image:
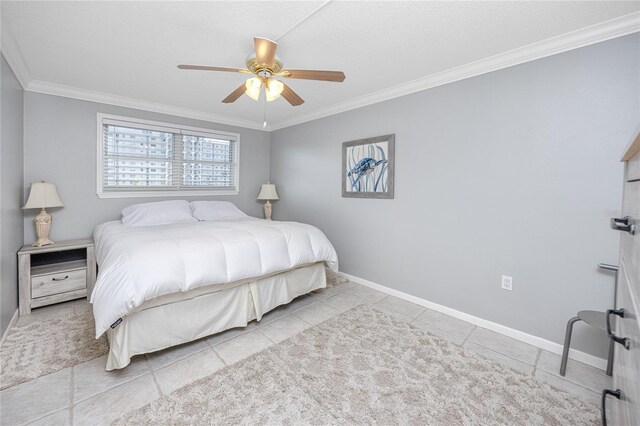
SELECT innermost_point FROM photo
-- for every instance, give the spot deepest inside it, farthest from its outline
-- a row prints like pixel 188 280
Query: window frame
pixel 148 193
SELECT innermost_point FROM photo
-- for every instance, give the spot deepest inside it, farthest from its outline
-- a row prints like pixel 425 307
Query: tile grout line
pixel 267 337
pixel 468 335
pixel 153 376
pixel 112 388
pixel 72 381
pixel 302 319
pixel 421 312
pixel 537 360
pixel 182 358
pixel 565 380
pixel 70 401
pixel 219 356
pixel 215 353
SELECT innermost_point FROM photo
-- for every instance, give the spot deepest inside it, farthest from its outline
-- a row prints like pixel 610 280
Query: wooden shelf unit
pixel 55 273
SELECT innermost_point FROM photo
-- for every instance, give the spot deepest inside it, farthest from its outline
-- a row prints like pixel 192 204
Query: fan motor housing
pixel 256 68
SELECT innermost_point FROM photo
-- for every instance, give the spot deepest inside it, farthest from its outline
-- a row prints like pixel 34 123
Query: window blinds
pixel 140 157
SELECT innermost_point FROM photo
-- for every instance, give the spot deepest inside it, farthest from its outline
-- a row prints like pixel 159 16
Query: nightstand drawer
pixel 59 282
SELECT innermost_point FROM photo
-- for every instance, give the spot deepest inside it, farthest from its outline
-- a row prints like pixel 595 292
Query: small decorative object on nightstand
pixel 55 273
pixel 268 192
pixel 41 196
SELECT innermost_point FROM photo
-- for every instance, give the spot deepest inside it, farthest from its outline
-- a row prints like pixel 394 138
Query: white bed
pixel 160 286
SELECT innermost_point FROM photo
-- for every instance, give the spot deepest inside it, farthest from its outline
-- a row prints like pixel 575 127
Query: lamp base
pixel 267 210
pixel 43 226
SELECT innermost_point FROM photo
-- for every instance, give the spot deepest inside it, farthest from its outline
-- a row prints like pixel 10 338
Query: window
pixel 139 158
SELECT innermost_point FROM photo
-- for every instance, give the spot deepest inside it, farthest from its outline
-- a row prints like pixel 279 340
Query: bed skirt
pixel 158 326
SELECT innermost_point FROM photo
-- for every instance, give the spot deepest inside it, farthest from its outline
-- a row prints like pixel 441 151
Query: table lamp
pixel 41 196
pixel 268 192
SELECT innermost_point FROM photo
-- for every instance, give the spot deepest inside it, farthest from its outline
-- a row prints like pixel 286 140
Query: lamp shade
pixel 253 88
pixel 268 192
pixel 273 89
pixel 42 195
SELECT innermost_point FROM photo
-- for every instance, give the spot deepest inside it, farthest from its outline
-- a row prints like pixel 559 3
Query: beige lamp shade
pixel 43 195
pixel 268 192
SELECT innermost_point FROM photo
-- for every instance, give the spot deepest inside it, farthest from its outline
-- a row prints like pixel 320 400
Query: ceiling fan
pixel 265 65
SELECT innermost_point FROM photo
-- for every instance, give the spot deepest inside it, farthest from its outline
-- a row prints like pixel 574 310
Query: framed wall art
pixel 368 167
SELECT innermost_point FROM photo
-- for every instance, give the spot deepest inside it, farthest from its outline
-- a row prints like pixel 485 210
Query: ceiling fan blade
pixel 265 51
pixel 206 68
pixel 291 96
pixel 235 95
pixel 337 76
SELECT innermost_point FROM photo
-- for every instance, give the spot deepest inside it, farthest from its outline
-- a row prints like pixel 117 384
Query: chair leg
pixel 567 343
pixel 610 358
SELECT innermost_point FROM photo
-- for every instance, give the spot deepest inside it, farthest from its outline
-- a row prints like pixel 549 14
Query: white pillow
pixel 158 213
pixel 215 210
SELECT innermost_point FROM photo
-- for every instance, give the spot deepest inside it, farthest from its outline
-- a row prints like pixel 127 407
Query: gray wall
pixel 11 185
pixel 515 172
pixel 60 147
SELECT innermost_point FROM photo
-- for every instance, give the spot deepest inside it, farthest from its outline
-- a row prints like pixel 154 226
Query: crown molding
pixel 597 33
pixel 123 101
pixel 12 54
pixel 603 31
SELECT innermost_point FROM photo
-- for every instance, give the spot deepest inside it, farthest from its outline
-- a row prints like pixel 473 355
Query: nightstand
pixel 55 273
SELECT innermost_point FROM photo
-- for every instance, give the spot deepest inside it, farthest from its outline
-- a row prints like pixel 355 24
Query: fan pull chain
pixel 264 110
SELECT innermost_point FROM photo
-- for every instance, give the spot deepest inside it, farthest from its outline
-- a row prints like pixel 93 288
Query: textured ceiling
pixel 131 49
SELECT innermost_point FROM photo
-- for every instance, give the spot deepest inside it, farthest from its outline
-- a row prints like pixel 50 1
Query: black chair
pixel 596 319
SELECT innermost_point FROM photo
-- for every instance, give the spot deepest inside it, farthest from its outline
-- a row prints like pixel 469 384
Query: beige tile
pixel 231 333
pixel 273 315
pixel 90 378
pixel 242 346
pixel 577 372
pixel 167 356
pixel 579 391
pixel 509 362
pixel 284 328
pixel 451 338
pixel 345 301
pixel 102 409
pixel 317 313
pixel 59 418
pixel 35 399
pixel 187 370
pixel 408 309
pixel 299 303
pixel 82 306
pixel 504 345
pixel 331 291
pixel 446 323
pixel 59 310
pixel 392 313
pixel 367 293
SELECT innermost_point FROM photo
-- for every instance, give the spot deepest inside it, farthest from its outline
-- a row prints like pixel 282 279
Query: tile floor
pixel 87 395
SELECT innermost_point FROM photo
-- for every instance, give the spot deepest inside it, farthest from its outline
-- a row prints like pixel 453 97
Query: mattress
pixel 141 264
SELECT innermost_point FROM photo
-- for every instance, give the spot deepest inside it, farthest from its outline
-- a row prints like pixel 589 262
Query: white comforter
pixel 137 264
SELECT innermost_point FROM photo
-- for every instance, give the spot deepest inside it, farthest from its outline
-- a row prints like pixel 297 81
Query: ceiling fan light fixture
pixel 273 89
pixel 254 87
pixel 265 64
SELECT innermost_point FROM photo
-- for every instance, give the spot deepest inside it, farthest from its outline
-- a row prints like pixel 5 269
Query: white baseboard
pixel 11 324
pixel 539 342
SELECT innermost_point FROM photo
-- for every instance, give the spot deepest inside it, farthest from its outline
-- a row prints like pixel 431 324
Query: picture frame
pixel 368 167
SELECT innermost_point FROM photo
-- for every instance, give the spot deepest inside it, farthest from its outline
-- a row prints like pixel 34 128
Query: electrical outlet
pixel 507 283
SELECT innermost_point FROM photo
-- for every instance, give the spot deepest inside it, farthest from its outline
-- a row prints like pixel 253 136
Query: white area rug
pixel 365 367
pixel 46 346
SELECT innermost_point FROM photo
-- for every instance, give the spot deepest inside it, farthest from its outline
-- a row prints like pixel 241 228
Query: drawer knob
pixel 603 401
pixel 60 279
pixel 624 341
